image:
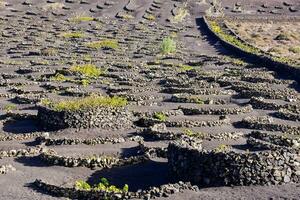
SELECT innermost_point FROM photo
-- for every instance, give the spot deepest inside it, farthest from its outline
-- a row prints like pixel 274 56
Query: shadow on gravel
pixel 138 176
pixel 132 151
pixel 21 126
pixel 211 40
pixel 31 161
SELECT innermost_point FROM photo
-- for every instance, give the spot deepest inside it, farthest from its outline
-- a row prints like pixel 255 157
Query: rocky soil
pixel 201 90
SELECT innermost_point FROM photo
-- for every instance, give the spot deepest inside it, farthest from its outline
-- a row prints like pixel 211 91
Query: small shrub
pixel 103 185
pixel 10 107
pixel 193 134
pixel 182 13
pixel 107 44
pixel 185 68
pixel 82 185
pixel 59 77
pixel 88 70
pixel 295 50
pixel 73 35
pixel 87 102
pixel 85 82
pixel 168 46
pixel 160 116
pixel 81 18
pixel 222 148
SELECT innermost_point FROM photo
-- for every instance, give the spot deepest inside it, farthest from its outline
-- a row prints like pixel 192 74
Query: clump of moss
pixel 168 46
pixel 88 70
pixel 87 102
pixel 103 185
pixel 160 116
pixel 107 44
pixel 73 35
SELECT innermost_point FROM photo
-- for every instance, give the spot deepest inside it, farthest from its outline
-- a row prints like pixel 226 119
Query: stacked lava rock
pixel 102 112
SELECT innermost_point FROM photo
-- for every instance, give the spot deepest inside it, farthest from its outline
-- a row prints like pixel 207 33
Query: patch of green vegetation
pixel 73 35
pixel 230 38
pixel 295 50
pixel 87 102
pixel 181 14
pixel 59 77
pixel 168 46
pixel 10 107
pixel 104 185
pixel 107 44
pixel 193 134
pixel 160 116
pixel 82 185
pixel 222 148
pixel 185 68
pixel 85 82
pixel 88 70
pixel 81 18
pixel 149 17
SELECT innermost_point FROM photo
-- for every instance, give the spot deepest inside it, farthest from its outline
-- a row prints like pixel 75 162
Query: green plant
pixel 295 50
pixel 59 77
pixel 81 18
pixel 191 133
pixel 88 70
pixel 103 185
pixel 107 44
pixel 73 35
pixel 160 116
pixel 85 82
pixel 82 185
pixel 222 148
pixel 87 102
pixel 184 68
pixel 10 107
pixel 216 28
pixel 181 14
pixel 168 46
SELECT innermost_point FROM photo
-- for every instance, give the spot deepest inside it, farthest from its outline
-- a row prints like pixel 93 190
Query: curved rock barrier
pixel 215 168
pixel 185 98
pixel 147 122
pixel 288 114
pixel 73 141
pixel 4 169
pixel 216 111
pixel 289 141
pixel 102 117
pixel 266 123
pixel 101 161
pixel 153 192
pixel 258 57
pixel 21 152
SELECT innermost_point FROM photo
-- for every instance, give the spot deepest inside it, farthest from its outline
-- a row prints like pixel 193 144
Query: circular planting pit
pixel 218 168
pixel 86 113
